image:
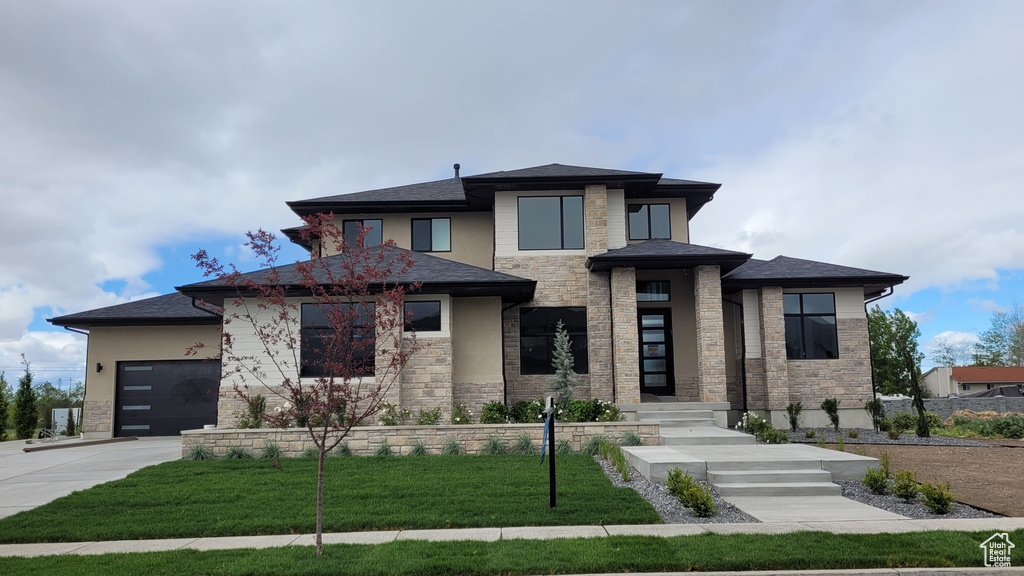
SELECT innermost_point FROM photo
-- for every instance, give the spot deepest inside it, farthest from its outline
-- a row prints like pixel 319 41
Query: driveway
pixel 30 479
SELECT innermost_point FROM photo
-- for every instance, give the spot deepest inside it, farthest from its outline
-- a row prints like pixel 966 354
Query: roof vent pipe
pixel 456 179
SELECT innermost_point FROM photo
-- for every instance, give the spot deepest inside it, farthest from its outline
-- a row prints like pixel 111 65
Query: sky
pixel 880 135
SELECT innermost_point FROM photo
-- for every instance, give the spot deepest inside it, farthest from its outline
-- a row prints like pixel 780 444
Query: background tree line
pixel 1001 345
pixel 31 406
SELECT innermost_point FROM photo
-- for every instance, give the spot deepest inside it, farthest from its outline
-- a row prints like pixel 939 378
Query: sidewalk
pixel 526 533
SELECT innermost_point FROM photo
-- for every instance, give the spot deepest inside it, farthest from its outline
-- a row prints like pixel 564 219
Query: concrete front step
pixel 768 476
pixel 779 489
pixel 702 436
pixel 764 465
pixel 672 406
pixel 684 423
pixel 675 415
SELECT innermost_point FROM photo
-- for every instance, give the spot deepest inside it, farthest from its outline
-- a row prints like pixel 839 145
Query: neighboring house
pixel 942 381
pixel 503 257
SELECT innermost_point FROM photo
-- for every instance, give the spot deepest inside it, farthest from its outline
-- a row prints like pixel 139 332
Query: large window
pixel 652 291
pixel 810 326
pixel 323 346
pixel 350 228
pixel 432 234
pixel 423 316
pixel 537 338
pixel 647 221
pixel 551 223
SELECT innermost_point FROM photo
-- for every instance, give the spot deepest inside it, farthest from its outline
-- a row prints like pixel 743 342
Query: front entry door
pixel 656 375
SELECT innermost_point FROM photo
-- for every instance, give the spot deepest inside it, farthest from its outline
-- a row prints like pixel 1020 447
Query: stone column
pixel 599 307
pixel 626 344
pixel 710 334
pixel 387 342
pixel 773 348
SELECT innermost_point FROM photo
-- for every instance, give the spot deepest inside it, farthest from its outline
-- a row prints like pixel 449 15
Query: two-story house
pixel 503 257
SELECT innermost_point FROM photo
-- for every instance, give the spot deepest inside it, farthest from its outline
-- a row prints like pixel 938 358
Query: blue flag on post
pixel 544 441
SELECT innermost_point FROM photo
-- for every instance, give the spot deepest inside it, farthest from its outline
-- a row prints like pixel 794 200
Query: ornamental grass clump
pixel 562 446
pixel 593 446
pixel 342 450
pixel 523 445
pixel 631 438
pixel 493 447
pixel 384 450
pixel 310 452
pixel 271 451
pixel 199 451
pixel 451 447
pixel 418 449
pixel 237 453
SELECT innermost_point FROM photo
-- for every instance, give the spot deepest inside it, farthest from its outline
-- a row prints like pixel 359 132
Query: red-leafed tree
pixel 324 336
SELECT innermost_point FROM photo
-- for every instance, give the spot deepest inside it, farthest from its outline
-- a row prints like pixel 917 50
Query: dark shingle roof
pixel 439 193
pixel 437 275
pixel 561 171
pixel 166 310
pixel 666 254
pixel 797 273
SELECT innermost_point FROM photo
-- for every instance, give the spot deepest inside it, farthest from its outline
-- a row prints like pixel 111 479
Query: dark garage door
pixel 162 398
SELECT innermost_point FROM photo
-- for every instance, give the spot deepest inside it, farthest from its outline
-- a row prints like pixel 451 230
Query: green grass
pixel 247 497
pixel 705 552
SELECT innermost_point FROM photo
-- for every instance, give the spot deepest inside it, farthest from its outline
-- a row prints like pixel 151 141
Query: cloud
pixel 921 318
pixel 986 306
pixel 52 355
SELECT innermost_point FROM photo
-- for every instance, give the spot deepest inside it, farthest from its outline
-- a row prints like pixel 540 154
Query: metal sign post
pixel 548 442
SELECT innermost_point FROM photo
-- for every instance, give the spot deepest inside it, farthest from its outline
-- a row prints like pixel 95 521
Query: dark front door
pixel 162 398
pixel 656 375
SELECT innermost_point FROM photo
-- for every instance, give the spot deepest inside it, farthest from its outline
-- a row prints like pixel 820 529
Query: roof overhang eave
pixel 306 208
pixel 727 263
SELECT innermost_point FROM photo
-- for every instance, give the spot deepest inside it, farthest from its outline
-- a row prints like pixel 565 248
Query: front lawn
pixel 705 552
pixel 185 499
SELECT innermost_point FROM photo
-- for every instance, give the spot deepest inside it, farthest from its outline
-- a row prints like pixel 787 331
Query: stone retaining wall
pixel 365 440
pixel 945 407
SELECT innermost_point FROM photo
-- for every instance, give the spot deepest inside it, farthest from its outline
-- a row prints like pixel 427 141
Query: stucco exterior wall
pixel 677 216
pixel 112 344
pixel 476 352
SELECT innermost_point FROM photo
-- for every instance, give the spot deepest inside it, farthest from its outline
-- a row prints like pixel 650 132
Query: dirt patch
pixel 986 477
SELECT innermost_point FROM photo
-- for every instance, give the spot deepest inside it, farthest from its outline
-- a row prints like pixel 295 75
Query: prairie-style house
pixel 502 258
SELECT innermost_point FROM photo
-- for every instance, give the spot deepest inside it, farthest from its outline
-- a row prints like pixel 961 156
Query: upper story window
pixel 537 338
pixel 652 291
pixel 551 223
pixel 423 316
pixel 374 237
pixel 432 234
pixel 810 326
pixel 335 335
pixel 647 221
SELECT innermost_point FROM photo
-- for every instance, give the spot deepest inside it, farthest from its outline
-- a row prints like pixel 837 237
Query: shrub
pixel 904 485
pixel 904 421
pixel 562 446
pixel 524 445
pixel 418 449
pixel 342 450
pixel 619 460
pixel 793 414
pixel 271 451
pixel 876 480
pixel 752 423
pixel 256 408
pixel 773 436
pixel 933 420
pixel 883 462
pixel 391 415
pixel 429 417
pixel 937 497
pixel 237 453
pixel 451 447
pixel 894 433
pixel 810 433
pixel 852 433
pixel 609 413
pixel 821 441
pixel 461 415
pixel 595 410
pixel 310 452
pixel 199 451
pixel 384 450
pixel 841 443
pixel 698 498
pixel 493 446
pixel 631 438
pixel 831 408
pixel 494 413
pixel 593 446
pixel 876 410
pixel 884 424
pixel 528 412
pixel 677 482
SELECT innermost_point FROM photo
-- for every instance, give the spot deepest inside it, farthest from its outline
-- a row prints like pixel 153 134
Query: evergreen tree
pixel 72 426
pixel 563 362
pixel 26 415
pixel 4 403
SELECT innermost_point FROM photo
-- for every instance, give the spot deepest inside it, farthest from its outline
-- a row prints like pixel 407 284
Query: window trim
pixel 629 232
pixel 803 330
pixel 668 293
pixel 406 327
pixel 430 222
pixel 362 222
pixel 561 221
pixel 574 335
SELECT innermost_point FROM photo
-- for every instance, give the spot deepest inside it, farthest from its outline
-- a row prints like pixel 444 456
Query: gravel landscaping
pixel 869 436
pixel 912 509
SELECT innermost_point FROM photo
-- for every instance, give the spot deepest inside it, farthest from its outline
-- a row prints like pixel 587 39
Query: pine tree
pixel 72 426
pixel 562 362
pixel 26 415
pixel 4 403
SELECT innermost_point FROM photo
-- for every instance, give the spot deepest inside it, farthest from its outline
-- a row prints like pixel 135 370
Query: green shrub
pixel 494 413
pixel 593 446
pixel 937 497
pixel 821 441
pixel 904 421
pixel 619 460
pixel 876 410
pixel 831 408
pixel 753 424
pixel 342 450
pixel 237 453
pixel 677 482
pixel 698 498
pixel 609 412
pixel 904 485
pixel 841 442
pixel 876 481
pixel 631 438
pixel 852 433
pixel 418 449
pixel 524 445
pixel 894 433
pixel 451 447
pixel 884 424
pixel 933 420
pixel 810 433
pixel 384 450
pixel 493 446
pixel 271 451
pixel 391 415
pixel 256 409
pixel 310 452
pixel 773 435
pixel 528 412
pixel 562 446
pixel 793 414
pixel 429 417
pixel 883 463
pixel 199 451
pixel 461 415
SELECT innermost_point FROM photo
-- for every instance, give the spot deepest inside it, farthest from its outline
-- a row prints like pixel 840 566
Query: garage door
pixel 162 398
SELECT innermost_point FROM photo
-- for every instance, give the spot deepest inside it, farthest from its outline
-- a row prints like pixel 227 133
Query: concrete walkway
pixel 31 479
pixel 524 533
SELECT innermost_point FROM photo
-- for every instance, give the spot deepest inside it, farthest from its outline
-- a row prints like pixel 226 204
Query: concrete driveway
pixel 30 479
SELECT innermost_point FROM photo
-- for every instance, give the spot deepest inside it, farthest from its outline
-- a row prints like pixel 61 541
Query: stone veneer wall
pixel 757 391
pixel 475 394
pixel 97 416
pixel 847 378
pixel 773 348
pixel 710 334
pixel 364 440
pixel 626 337
pixel 688 389
pixel 426 380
